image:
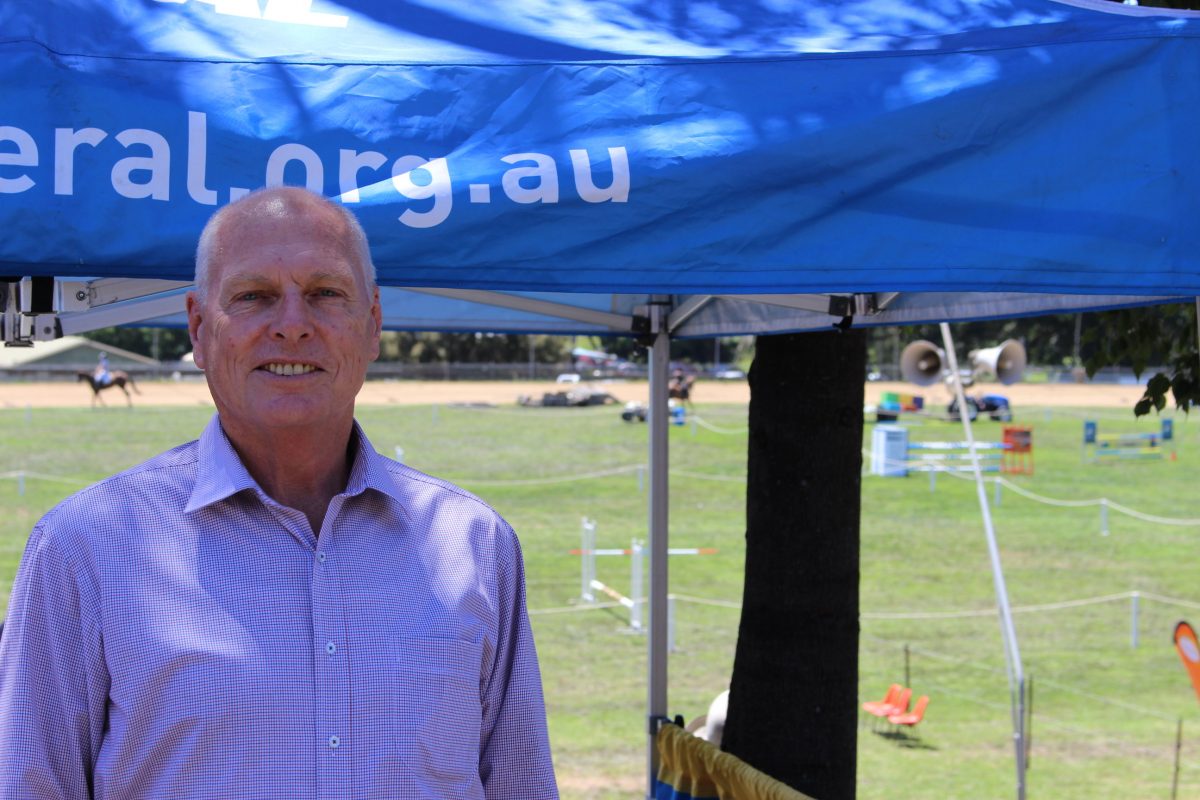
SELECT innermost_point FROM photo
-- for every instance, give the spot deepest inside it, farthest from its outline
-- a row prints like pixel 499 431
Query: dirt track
pixel 195 392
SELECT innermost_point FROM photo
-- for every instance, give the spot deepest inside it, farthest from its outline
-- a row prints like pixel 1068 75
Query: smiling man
pixel 274 610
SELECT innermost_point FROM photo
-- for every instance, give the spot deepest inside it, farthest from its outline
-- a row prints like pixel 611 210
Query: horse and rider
pixel 680 387
pixel 102 378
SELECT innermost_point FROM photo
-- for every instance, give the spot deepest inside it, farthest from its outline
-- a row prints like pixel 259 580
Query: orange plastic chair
pixel 889 700
pixel 901 704
pixel 913 717
pixel 898 706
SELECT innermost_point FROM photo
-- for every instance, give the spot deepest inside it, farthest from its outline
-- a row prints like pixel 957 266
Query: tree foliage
pixel 165 344
pixel 1163 335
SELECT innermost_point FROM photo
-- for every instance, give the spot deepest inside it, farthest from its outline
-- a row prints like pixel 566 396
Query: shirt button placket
pixel 331 668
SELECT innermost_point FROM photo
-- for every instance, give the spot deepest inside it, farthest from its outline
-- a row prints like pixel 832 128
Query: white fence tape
pixel 1103 502
pixel 708 426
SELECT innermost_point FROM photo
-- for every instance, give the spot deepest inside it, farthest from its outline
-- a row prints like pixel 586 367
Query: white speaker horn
pixel 922 363
pixel 1006 361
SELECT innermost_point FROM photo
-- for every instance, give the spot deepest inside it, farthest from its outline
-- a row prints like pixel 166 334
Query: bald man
pixel 274 610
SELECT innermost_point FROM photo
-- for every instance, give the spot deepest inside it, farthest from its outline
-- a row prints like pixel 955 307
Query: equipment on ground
pixel 995 406
pixel 1129 445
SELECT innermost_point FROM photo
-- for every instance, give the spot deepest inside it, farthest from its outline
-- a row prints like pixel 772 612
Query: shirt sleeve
pixel 53 686
pixel 514 759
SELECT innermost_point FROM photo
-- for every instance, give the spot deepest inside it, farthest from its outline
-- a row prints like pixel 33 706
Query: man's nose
pixel 293 320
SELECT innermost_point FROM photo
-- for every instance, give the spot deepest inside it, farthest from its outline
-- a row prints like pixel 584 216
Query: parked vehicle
pixel 994 405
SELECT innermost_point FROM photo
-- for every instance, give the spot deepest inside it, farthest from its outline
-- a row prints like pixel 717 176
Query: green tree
pixel 165 344
pixel 1163 335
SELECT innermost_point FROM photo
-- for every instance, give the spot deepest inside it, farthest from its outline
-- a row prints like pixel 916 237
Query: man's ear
pixel 376 321
pixel 195 320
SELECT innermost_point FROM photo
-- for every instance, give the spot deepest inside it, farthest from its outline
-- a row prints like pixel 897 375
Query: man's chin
pixel 287 414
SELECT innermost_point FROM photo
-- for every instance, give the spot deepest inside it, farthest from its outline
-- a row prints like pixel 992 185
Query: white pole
pixel 1104 516
pixel 1133 622
pixel 996 483
pixel 1012 654
pixel 587 560
pixel 635 585
pixel 660 355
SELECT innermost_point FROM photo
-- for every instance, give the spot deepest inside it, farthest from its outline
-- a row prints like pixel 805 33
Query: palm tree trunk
pixel 794 693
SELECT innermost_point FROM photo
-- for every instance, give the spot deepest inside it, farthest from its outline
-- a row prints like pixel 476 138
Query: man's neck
pixel 301 469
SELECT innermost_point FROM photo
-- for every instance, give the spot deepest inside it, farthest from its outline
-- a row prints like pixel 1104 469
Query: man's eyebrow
pixel 337 277
pixel 246 279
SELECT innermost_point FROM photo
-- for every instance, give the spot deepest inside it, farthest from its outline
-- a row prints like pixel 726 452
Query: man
pixel 275 611
pixel 102 375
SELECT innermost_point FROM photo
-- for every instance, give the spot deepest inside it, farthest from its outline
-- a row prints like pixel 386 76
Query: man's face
pixel 288 325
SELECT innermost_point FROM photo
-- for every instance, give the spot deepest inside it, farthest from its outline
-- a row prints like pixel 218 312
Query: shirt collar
pixel 221 474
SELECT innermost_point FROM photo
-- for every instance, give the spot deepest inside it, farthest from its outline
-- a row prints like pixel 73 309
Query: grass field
pixel 1104 716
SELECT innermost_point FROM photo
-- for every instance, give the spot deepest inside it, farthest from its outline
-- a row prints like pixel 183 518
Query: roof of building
pixel 11 357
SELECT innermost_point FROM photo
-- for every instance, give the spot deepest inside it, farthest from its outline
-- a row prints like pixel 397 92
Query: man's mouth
pixel 287 370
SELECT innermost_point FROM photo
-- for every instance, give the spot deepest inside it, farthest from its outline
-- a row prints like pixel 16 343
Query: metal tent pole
pixel 1012 654
pixel 660 355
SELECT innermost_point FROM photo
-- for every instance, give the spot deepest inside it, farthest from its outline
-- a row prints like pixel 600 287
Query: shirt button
pixel 330 648
pixel 334 742
pixel 321 556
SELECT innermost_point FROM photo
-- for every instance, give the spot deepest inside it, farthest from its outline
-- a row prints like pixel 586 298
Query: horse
pixel 680 388
pixel 118 378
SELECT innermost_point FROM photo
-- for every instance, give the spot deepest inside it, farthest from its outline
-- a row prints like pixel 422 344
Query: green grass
pixel 1104 713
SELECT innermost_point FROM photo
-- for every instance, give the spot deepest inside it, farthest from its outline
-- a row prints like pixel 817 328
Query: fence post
pixel 587 559
pixel 1178 745
pixel 1029 725
pixel 635 589
pixel 1133 621
pixel 1104 516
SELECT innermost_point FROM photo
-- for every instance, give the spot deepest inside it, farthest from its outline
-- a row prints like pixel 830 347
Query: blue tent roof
pixel 1019 146
pixel 529 165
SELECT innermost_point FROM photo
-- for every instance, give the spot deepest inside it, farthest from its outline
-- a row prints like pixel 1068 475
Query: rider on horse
pixel 102 374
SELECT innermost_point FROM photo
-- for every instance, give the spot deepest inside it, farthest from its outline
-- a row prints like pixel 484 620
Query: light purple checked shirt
pixel 173 632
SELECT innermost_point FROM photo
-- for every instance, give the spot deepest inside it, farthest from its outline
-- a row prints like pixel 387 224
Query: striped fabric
pixel 175 633
pixel 693 769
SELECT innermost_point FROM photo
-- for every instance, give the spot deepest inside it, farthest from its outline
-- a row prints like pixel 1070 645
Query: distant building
pixel 65 356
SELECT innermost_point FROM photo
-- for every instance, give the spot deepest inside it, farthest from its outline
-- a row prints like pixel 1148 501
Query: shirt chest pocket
pixel 437 706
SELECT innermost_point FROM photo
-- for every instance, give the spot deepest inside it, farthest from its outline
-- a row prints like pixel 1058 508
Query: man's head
pixel 205 248
pixel 285 317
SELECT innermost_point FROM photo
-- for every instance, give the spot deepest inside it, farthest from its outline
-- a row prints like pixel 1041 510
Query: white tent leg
pixel 660 354
pixel 1012 654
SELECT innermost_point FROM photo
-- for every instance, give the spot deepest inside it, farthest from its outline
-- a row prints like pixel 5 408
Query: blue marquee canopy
pixel 1025 149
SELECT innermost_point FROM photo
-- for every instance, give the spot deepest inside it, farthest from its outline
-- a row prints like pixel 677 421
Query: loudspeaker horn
pixel 922 363
pixel 1006 361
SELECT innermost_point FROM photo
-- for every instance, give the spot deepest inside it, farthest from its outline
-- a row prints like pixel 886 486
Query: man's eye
pixel 328 293
pixel 249 296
